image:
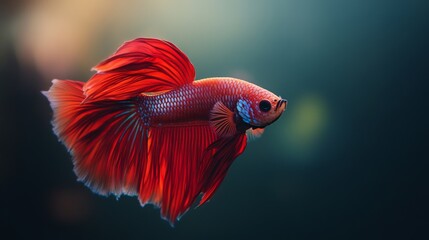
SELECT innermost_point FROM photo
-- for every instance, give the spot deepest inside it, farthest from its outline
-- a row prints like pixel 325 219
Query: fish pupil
pixel 265 106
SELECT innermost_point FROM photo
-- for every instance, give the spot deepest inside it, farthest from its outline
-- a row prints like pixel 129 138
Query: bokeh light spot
pixel 307 121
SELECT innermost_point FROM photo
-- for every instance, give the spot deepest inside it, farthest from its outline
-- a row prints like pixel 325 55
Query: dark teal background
pixel 347 160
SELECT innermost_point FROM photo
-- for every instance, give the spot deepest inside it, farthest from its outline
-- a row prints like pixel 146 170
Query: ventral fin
pixel 222 120
pixel 138 66
pixel 254 133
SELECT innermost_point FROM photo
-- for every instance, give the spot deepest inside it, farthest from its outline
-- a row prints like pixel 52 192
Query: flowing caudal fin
pixel 138 66
pixel 106 139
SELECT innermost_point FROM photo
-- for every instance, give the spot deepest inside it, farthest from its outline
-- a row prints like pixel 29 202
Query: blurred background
pixel 348 159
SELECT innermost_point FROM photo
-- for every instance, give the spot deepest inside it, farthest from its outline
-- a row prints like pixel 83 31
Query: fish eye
pixel 265 106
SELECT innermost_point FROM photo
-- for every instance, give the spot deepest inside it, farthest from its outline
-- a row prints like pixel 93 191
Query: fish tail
pixel 96 135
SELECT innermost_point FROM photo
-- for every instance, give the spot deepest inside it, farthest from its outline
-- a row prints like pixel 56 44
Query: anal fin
pixel 218 158
pixel 172 179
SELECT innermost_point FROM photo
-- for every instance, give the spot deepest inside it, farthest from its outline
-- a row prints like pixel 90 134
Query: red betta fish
pixel 142 126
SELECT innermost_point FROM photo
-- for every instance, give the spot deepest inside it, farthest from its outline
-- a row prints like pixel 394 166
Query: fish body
pixel 142 126
pixel 194 101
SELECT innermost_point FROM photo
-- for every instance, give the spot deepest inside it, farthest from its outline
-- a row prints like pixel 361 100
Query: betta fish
pixel 142 126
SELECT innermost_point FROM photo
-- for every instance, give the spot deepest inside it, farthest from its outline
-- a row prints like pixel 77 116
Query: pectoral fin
pixel 222 120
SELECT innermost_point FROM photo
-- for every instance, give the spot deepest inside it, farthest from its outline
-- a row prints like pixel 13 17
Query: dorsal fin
pixel 140 65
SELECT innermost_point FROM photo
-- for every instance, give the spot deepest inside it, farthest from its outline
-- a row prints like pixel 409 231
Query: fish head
pixel 260 108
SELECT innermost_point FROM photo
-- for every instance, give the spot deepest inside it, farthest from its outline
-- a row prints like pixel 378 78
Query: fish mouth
pixel 280 103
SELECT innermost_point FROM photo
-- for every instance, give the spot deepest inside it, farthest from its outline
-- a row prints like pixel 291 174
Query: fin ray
pixel 222 119
pixel 221 153
pixel 140 65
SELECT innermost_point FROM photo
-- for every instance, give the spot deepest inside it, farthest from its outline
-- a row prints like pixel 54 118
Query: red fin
pixel 222 119
pixel 219 156
pixel 114 153
pixel 105 138
pixel 140 65
pixel 178 164
pixel 186 170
